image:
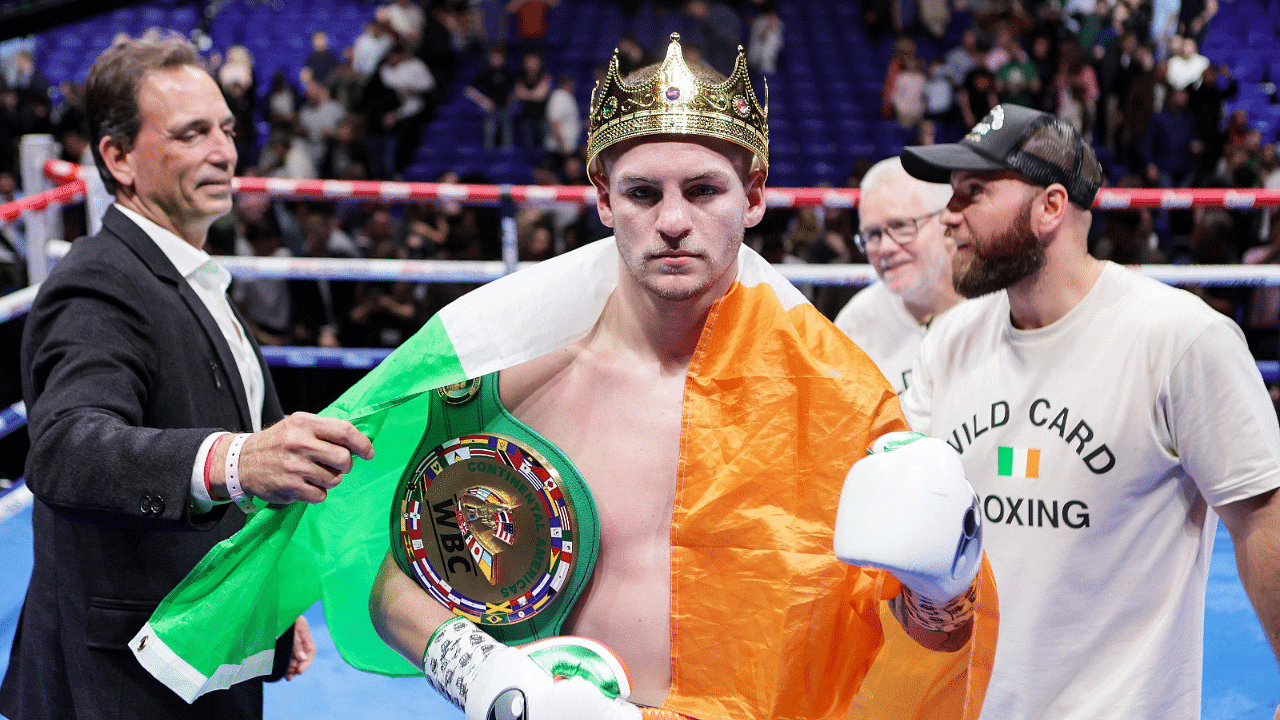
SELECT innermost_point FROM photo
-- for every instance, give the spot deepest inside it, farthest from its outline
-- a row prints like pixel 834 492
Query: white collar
pixel 184 256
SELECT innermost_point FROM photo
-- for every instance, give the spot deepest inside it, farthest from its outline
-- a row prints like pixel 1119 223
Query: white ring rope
pixel 16 501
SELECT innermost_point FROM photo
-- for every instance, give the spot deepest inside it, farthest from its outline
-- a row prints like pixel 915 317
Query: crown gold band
pixel 675 102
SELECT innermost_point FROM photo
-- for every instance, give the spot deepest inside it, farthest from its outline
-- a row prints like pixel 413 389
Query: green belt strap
pixel 470 448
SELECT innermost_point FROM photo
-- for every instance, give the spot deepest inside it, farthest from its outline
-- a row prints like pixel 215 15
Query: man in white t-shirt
pixel 564 119
pixel 906 245
pixel 1105 420
pixel 1186 64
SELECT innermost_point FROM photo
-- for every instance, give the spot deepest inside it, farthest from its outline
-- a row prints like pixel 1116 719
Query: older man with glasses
pixel 906 244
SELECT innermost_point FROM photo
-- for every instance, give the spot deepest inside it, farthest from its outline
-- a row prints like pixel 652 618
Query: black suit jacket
pixel 124 374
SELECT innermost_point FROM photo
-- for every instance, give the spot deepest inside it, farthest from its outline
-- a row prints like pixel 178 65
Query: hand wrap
pixel 559 678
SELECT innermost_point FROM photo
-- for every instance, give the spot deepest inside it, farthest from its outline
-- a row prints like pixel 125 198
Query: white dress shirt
pixel 210 282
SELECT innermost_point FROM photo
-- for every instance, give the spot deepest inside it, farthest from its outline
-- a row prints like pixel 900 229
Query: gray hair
pixel 934 196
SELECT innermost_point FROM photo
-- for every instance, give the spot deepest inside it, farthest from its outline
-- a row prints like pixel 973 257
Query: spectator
pixel 282 103
pixel 1076 92
pixel 383 313
pixel 977 95
pixel 318 118
pixel 1116 71
pixel 1213 243
pixel 321 62
pixel 1128 236
pixel 71 112
pixel 26 79
pixel 939 95
pixel 320 306
pixel 1002 48
pixel 1090 18
pixel 1208 100
pixel 964 57
pixel 1269 172
pixel 237 69
pixel 264 302
pixel 442 42
pixel 535 234
pixel 397 103
pixel 372 45
pixel 243 104
pixel 904 52
pixel 347 156
pixel 532 88
pixel 491 90
pixel 1237 128
pixel 721 32
pixel 1172 144
pixel 1136 111
pixel 1163 33
pixel 1194 17
pixel 907 97
pixel 1045 54
pixel 934 16
pixel 345 82
pixel 1018 80
pixel 407 21
pixel 764 42
pixel 532 21
pixel 25 96
pixel 563 119
pixel 1186 64
pixel 472 22
pixel 427 230
pixel 835 245
pixel 287 156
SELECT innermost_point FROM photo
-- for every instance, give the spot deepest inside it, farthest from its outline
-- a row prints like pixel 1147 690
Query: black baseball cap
pixel 1034 144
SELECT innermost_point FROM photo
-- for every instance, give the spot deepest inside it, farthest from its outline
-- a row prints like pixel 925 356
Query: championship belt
pixel 493 520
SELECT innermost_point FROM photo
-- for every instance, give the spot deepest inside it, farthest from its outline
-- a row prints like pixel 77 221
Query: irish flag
pixel 777 406
pixel 1018 462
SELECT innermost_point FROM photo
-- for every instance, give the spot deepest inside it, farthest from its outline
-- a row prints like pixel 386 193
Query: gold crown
pixel 675 102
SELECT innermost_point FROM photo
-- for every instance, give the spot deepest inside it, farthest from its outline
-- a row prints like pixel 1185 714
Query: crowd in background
pixel 1127 73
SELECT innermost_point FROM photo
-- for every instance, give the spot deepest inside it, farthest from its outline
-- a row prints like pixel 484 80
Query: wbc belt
pixel 492 519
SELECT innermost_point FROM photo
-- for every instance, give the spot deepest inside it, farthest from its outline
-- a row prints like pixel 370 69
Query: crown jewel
pixel 675 101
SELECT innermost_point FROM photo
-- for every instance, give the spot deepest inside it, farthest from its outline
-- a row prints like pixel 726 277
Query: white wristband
pixel 237 493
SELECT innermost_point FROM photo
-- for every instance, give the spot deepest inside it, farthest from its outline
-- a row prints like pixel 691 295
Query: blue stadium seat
pixel 514 172
pixel 785 173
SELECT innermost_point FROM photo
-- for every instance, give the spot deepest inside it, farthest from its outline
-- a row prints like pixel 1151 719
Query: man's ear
pixel 604 204
pixel 1054 206
pixel 116 158
pixel 756 201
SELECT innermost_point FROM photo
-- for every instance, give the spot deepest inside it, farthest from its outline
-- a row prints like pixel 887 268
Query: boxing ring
pixel 1241 678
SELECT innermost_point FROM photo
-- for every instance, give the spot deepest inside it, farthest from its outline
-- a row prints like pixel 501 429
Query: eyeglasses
pixel 902 230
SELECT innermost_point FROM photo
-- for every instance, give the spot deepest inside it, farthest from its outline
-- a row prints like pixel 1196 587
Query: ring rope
pixel 61 171
pixel 13 418
pixel 17 499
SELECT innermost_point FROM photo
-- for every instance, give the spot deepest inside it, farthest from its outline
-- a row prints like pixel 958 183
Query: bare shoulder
pixel 517 385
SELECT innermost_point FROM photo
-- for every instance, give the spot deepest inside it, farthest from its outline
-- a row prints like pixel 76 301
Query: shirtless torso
pixel 617 415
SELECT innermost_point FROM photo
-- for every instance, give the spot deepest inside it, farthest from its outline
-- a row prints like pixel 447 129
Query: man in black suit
pixel 150 409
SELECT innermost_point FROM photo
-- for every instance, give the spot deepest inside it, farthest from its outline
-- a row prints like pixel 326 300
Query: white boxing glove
pixel 908 508
pixel 559 678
